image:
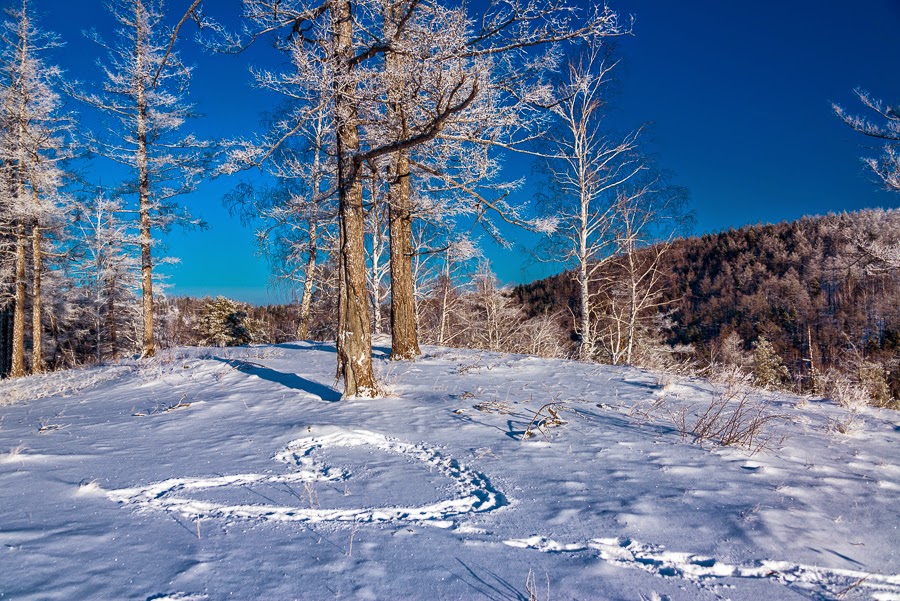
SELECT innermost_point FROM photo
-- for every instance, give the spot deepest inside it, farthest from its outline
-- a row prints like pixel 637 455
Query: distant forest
pixel 823 290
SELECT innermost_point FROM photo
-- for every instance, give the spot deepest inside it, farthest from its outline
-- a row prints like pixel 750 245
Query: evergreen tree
pixel 768 368
pixel 224 322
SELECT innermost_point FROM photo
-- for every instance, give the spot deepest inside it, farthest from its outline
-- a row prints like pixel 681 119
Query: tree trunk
pixel 37 357
pixel 6 336
pixel 632 307
pixel 404 339
pixel 111 316
pixel 376 213
pixel 146 240
pixel 445 300
pixel 354 335
pixel 18 357
pixel 308 282
pixel 586 349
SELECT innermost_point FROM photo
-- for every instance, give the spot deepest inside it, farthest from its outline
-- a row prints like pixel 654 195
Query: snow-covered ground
pixel 238 474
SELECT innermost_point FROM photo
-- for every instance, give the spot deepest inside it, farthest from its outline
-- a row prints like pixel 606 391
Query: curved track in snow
pixel 473 491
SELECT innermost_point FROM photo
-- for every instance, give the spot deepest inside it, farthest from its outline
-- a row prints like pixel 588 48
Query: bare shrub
pixel 729 351
pixel 844 390
pixel 531 588
pixel 848 426
pixel 543 336
pixel 730 375
pixel 732 418
pixel 545 417
pixel 861 381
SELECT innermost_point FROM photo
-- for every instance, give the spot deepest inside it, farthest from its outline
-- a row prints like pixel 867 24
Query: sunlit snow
pixel 237 473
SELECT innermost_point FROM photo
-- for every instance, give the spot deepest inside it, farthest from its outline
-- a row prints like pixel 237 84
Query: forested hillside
pixel 824 290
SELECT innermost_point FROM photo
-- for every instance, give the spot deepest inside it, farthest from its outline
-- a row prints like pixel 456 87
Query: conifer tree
pixel 144 98
pixel 33 141
pixel 769 370
pixel 224 322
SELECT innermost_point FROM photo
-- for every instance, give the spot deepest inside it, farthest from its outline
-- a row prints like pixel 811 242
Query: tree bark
pixel 445 300
pixel 18 351
pixel 18 357
pixel 375 213
pixel 37 357
pixel 6 330
pixel 149 347
pixel 111 316
pixel 404 338
pixel 586 349
pixel 354 335
pixel 308 282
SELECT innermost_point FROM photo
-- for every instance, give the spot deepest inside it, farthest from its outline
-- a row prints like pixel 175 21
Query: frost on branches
pixel 224 322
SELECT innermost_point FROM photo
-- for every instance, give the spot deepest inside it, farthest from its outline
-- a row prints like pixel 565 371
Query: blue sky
pixel 738 94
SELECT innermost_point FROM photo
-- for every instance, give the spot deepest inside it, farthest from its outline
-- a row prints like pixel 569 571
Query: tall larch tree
pixel 144 98
pixel 32 145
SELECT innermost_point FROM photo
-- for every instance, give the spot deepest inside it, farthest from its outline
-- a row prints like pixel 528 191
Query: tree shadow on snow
pixel 310 345
pixel 490 584
pixel 381 352
pixel 326 393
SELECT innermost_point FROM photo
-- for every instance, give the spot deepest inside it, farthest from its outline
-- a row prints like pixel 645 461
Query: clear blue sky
pixel 738 93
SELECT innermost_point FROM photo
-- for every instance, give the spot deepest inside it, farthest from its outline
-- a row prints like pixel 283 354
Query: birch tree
pixel 144 97
pixel 297 216
pixel 589 165
pixel 379 265
pixel 508 47
pixel 630 292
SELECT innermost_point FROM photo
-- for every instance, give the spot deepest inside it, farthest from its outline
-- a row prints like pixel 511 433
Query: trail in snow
pixel 474 492
pixel 445 450
pixel 628 553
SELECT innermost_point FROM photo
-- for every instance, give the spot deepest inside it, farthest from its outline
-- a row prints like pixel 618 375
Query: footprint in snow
pixel 472 490
pixel 628 553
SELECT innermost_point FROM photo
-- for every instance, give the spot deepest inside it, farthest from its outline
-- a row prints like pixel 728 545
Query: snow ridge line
pixel 474 492
pixel 656 560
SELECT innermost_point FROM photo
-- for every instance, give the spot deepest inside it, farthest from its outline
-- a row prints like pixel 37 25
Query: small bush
pixel 872 378
pixel 769 370
pixel 732 418
pixel 224 322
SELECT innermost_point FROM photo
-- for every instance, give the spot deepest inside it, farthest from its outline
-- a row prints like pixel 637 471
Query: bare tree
pixel 349 43
pixel 32 144
pixel 630 294
pixel 379 266
pixel 509 48
pixel 592 166
pixel 107 269
pixel 144 97
pixel 325 39
pixel 887 167
pixel 297 216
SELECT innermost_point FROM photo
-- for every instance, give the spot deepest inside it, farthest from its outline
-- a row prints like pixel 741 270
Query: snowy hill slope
pixel 238 474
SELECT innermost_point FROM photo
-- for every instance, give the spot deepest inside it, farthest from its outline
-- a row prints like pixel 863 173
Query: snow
pixel 238 474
